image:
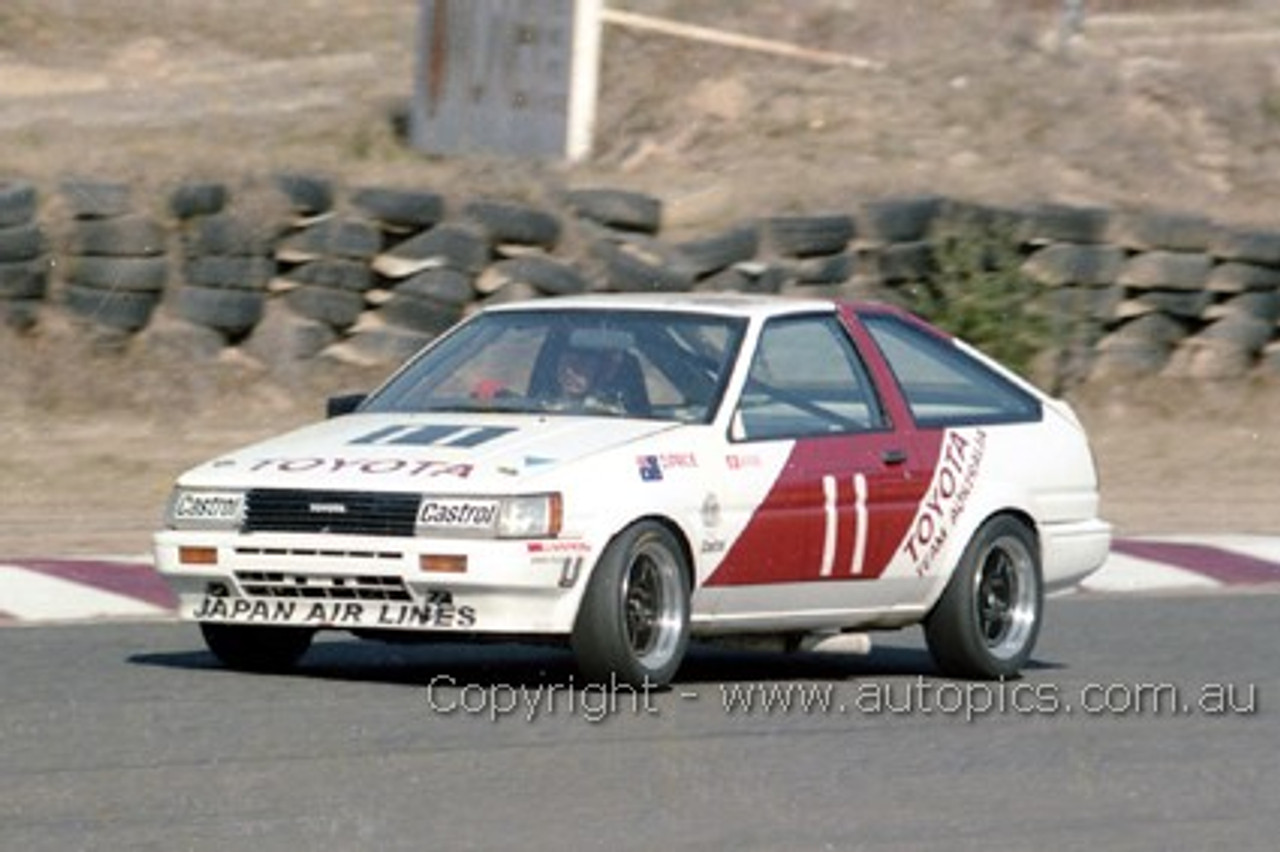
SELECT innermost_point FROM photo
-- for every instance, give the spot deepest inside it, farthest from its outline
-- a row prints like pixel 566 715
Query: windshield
pixel 614 363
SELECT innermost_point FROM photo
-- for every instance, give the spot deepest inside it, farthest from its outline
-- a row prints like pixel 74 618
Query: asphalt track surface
pixel 1147 722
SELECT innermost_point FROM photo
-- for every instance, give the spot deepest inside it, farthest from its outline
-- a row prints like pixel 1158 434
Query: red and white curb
pixel 37 591
pixel 82 589
pixel 1187 562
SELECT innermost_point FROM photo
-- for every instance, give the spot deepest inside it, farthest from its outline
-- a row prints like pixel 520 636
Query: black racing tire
pixel 508 222
pixel 400 208
pixel 234 312
pixel 21 242
pixel 898 220
pixel 1157 230
pixel 255 648
pixel 1247 245
pixel 445 286
pixel 190 200
pixel 133 235
pixel 134 274
pixel 644 265
pixel 420 313
pixel 806 236
pixel 96 199
pixel 336 308
pixel 461 247
pixel 907 262
pixel 821 269
pixel 547 275
pixel 229 273
pixel 1064 264
pixel 126 310
pixel 633 624
pixel 1167 270
pixel 1047 224
pixel 351 239
pixel 335 273
pixel 618 208
pixel 986 623
pixel 17 203
pixel 231 235
pixel 307 195
pixel 27 279
pixel 714 253
pixel 388 344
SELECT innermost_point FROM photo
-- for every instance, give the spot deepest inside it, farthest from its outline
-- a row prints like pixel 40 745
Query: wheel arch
pixel 965 534
pixel 678 533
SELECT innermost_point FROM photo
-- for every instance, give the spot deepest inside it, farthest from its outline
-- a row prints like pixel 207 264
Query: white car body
pixel 784 536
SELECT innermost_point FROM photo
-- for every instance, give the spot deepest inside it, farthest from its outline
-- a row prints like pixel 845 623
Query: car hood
pixel 416 452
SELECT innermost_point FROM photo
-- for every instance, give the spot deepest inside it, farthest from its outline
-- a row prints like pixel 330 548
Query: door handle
pixel 893 457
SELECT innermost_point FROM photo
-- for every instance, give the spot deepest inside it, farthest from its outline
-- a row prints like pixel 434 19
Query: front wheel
pixel 256 649
pixel 633 625
pixel 986 623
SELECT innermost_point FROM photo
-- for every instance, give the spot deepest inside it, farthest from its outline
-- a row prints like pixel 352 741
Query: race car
pixel 626 473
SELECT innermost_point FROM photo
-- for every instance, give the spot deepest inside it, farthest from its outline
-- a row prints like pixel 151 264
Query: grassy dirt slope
pixel 1155 104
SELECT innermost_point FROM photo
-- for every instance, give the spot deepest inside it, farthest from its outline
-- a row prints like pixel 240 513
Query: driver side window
pixel 806 380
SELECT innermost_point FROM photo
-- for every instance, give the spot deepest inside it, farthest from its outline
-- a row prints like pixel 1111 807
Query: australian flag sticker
pixel 650 468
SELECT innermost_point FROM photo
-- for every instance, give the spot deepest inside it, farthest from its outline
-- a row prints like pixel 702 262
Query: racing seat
pixel 627 382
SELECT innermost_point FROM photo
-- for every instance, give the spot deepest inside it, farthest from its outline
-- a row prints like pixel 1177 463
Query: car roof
pixel 717 303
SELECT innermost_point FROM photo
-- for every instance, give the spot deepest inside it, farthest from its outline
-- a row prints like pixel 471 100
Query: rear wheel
pixel 633 626
pixel 986 623
pixel 257 649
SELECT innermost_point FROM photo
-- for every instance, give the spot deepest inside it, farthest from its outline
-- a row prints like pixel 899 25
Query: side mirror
pixel 336 406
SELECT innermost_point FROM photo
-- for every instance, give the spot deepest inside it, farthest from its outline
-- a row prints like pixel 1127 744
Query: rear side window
pixel 943 384
pixel 806 380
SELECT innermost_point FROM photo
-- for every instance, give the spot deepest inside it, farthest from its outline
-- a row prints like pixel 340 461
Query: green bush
pixel 979 293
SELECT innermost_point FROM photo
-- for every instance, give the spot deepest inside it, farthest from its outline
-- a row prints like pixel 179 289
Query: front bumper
pixel 374 583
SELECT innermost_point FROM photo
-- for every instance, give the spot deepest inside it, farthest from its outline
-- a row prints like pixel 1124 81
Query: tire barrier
pixel 116 259
pixel 24 259
pixel 371 274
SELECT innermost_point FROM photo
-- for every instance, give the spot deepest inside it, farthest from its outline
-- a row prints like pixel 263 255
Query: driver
pixel 584 377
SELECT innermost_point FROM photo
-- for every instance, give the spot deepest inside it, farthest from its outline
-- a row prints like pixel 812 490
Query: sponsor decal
pixel 652 468
pixel 711 514
pixel 558 547
pixel 712 546
pixel 369 467
pixel 946 498
pixel 209 506
pixel 437 435
pixel 441 614
pixel 458 514
pixel 741 461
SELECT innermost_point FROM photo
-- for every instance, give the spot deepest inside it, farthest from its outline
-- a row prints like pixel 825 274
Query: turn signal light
pixel 198 555
pixel 442 564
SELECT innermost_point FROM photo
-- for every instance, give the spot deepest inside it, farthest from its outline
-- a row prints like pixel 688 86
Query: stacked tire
pixel 1242 307
pixel 419 260
pixel 226 263
pixel 1069 257
pixel 24 261
pixel 117 263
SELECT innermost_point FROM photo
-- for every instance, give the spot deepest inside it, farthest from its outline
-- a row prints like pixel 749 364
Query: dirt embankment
pixel 1157 104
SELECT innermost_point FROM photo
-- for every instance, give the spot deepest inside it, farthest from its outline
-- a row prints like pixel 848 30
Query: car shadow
pixel 520 665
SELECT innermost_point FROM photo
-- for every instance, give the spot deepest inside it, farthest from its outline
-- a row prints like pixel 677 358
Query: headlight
pixel 532 516
pixel 198 509
pixel 525 516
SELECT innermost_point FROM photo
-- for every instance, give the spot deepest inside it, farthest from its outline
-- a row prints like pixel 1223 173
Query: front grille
pixel 278 584
pixel 336 512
